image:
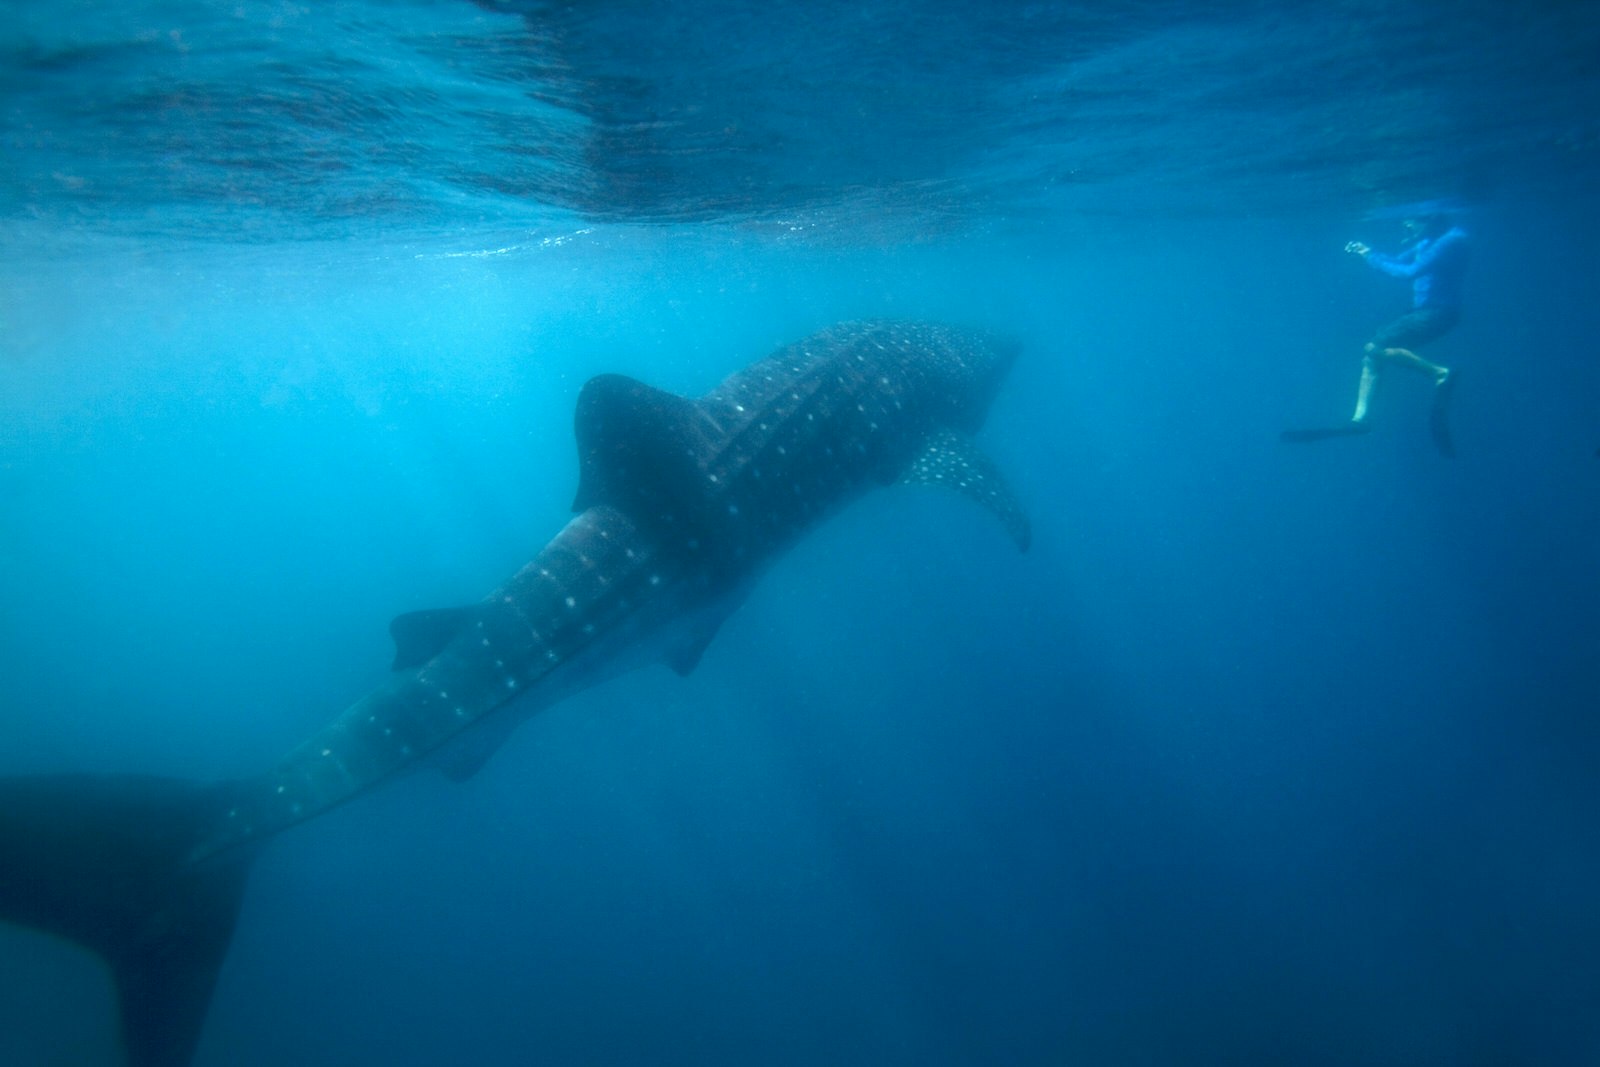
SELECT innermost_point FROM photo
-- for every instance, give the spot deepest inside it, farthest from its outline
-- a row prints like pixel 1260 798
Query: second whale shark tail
pixel 108 861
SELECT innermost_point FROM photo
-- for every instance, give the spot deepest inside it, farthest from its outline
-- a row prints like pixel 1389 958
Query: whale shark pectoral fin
pixel 421 635
pixel 467 753
pixel 637 445
pixel 684 657
pixel 955 462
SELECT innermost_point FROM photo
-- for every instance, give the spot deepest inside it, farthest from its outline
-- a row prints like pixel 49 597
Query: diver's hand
pixel 1356 248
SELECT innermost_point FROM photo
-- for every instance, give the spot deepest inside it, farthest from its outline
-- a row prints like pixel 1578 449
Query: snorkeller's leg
pixel 1369 379
pixel 1443 386
pixel 1437 372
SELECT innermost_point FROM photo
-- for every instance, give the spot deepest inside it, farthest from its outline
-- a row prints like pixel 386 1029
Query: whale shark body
pixel 681 505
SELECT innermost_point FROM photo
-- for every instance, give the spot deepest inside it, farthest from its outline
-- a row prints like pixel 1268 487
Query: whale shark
pixel 682 504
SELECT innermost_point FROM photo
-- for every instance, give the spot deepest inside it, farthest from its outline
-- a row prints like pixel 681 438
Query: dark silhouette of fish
pixel 681 505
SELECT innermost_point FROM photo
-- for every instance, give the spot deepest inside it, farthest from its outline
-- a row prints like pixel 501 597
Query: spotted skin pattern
pixel 682 502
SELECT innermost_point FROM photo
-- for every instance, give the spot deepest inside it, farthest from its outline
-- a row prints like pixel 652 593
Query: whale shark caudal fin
pixel 106 861
pixel 953 461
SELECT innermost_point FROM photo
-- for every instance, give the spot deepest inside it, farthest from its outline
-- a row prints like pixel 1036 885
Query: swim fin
pixel 1439 416
pixel 1322 433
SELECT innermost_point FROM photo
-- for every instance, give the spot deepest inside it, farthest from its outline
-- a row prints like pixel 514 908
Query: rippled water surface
pixel 280 120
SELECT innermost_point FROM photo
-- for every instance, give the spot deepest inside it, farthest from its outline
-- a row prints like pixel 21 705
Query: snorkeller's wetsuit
pixel 1436 267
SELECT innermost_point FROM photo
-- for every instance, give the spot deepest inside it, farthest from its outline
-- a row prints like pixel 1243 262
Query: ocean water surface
pixel 1262 754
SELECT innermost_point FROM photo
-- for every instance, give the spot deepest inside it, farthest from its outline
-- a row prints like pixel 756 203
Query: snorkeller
pixel 1434 259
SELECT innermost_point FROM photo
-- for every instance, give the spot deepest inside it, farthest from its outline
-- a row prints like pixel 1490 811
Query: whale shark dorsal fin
pixel 955 462
pixel 637 445
pixel 421 635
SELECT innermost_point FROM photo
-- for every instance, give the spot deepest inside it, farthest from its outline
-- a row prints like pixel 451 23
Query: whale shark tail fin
pixel 108 862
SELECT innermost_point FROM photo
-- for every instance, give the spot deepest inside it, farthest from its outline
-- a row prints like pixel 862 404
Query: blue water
pixel 1262 755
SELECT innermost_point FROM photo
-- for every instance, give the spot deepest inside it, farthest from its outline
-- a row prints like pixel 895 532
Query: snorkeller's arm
pixel 1419 258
